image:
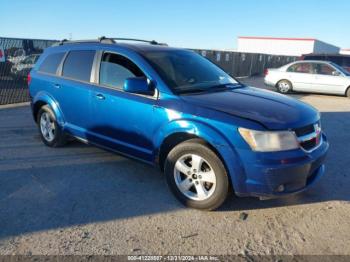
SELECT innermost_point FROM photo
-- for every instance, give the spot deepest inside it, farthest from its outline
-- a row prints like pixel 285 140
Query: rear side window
pixel 305 68
pixel 115 69
pixel 51 63
pixel 78 65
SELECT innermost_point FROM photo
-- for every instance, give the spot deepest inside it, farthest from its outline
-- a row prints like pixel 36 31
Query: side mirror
pixel 138 85
pixel 336 73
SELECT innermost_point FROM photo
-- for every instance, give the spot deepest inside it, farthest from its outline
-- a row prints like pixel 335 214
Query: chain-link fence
pixel 245 64
pixel 18 56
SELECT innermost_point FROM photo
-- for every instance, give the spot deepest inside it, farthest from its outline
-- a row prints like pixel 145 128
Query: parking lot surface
pixel 82 200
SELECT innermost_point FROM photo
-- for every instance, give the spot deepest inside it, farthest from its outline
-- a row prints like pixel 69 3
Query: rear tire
pixel 284 86
pixel 348 92
pixel 50 132
pixel 196 175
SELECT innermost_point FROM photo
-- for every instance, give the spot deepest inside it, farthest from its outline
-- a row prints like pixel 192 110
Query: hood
pixel 272 110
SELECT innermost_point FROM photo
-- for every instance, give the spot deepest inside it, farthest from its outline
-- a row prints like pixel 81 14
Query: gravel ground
pixel 83 200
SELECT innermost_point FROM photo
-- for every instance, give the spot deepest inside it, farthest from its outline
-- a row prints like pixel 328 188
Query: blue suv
pixel 174 109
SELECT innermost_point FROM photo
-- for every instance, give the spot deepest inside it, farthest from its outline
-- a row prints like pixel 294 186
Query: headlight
pixel 269 141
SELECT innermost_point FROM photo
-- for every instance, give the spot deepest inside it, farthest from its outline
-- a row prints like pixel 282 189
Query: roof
pixel 307 61
pixel 326 55
pixel 110 42
pixel 312 61
pixel 277 38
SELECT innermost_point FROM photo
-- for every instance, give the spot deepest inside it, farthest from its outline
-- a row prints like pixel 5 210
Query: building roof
pixel 277 38
pixel 326 55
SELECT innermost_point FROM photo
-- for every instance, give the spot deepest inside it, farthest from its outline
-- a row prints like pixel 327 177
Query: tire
pixel 55 137
pixel 284 86
pixel 348 92
pixel 206 189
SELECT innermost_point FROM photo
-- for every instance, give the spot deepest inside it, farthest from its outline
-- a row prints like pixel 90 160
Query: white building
pixel 345 51
pixel 284 46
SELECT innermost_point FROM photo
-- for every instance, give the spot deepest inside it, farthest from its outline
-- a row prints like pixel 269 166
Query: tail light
pixel 266 72
pixel 29 79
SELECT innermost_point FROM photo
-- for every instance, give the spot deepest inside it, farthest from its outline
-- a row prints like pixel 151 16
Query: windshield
pixel 341 69
pixel 19 52
pixel 30 60
pixel 185 71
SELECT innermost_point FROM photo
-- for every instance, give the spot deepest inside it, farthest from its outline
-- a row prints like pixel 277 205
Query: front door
pixel 120 120
pixel 328 79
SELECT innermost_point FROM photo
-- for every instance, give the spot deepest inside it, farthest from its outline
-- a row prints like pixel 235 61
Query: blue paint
pixel 134 122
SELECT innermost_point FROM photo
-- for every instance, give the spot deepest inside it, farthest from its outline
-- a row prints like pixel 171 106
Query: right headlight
pixel 269 141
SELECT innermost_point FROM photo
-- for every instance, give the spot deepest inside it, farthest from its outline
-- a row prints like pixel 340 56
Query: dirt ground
pixel 83 200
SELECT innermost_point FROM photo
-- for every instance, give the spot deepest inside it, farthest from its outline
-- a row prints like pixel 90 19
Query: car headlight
pixel 269 141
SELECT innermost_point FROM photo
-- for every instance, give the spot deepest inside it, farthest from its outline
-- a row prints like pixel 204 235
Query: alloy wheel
pixel 47 126
pixel 284 87
pixel 194 177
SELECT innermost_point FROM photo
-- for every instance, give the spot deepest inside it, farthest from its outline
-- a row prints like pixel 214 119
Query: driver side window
pixel 115 69
pixel 323 69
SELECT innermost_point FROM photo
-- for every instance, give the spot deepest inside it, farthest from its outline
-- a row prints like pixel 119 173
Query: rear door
pixel 328 79
pixel 301 76
pixel 48 79
pixel 73 89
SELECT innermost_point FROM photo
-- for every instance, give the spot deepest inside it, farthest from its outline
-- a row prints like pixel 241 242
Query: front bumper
pixel 282 173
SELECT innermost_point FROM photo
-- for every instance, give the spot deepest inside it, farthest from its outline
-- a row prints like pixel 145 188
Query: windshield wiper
pixel 223 87
pixel 190 90
pixel 213 88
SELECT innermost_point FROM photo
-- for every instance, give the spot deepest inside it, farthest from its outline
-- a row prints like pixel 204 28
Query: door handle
pixel 57 86
pixel 100 97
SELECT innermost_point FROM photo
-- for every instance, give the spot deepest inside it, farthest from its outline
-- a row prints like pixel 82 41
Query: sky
pixel 207 24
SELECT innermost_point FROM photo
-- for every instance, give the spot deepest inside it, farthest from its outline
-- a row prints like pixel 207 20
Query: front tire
pixel 196 175
pixel 348 92
pixel 284 86
pixel 50 132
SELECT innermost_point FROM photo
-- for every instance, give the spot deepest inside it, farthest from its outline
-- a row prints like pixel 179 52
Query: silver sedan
pixel 310 76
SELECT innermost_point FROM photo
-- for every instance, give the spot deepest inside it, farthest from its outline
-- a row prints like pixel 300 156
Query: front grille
pixel 309 145
pixel 305 130
pixel 309 136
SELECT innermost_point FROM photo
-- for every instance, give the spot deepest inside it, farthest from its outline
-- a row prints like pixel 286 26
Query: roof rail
pixel 108 40
pixel 99 40
pixel 152 42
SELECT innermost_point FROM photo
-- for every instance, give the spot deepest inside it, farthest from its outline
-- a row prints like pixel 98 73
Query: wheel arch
pixel 45 99
pixel 36 107
pixel 209 137
pixel 177 138
pixel 347 90
pixel 284 79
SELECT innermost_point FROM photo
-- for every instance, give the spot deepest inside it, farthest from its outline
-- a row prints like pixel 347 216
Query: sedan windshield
pixel 185 71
